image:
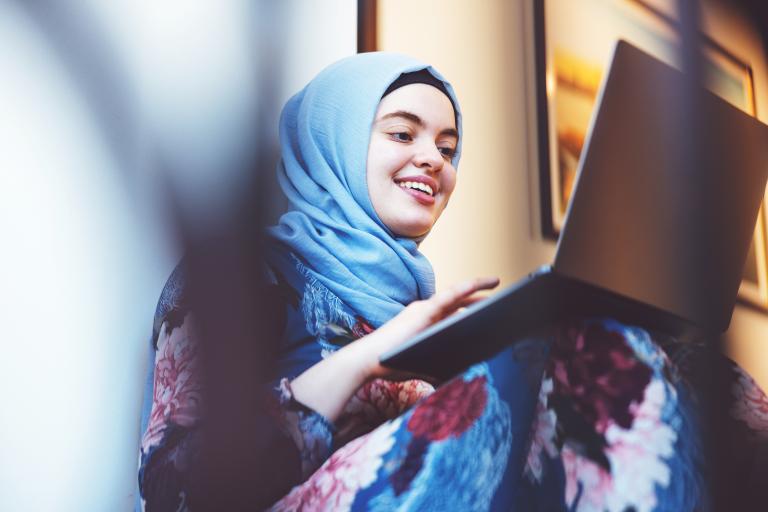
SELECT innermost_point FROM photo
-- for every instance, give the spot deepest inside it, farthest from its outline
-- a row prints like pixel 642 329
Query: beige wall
pixel 491 226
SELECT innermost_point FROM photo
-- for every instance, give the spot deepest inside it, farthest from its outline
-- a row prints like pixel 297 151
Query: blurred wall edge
pixel 102 105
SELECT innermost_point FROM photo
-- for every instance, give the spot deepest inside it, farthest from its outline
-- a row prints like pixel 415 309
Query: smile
pixel 415 185
pixel 417 192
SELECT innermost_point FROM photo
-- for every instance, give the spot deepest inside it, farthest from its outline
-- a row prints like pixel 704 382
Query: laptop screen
pixel 667 194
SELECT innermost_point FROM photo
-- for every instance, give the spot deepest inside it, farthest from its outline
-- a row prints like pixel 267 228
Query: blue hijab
pixel 331 226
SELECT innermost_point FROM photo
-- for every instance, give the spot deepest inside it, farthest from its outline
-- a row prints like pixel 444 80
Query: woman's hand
pixel 326 386
pixel 415 318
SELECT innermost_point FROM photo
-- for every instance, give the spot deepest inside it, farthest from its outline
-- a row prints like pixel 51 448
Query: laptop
pixel 656 234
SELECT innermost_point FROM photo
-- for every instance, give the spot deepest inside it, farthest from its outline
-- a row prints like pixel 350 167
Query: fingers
pixel 421 314
pixel 467 288
pixel 472 300
pixel 459 295
pixel 484 283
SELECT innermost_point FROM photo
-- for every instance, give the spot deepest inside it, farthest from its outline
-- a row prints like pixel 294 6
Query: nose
pixel 428 156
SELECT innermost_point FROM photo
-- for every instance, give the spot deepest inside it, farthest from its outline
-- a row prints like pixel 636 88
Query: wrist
pixel 326 386
pixel 363 359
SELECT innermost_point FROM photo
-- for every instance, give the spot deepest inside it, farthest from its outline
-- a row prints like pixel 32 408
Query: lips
pixel 419 196
pixel 420 178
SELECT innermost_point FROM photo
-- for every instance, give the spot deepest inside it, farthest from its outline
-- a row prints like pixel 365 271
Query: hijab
pixel 331 229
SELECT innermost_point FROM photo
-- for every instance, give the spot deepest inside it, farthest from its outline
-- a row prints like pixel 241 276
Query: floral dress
pixel 614 422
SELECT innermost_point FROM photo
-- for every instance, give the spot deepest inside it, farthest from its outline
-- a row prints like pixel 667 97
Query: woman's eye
pixel 401 136
pixel 447 152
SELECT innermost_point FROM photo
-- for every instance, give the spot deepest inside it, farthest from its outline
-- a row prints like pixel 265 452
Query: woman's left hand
pixel 416 317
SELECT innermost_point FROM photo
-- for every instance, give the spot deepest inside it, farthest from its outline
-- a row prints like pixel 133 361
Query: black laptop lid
pixel 664 228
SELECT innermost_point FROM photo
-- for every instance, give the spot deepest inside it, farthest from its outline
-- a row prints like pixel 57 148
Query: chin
pixel 412 230
pixel 415 234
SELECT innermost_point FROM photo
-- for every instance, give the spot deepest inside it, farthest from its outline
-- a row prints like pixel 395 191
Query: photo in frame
pixel 573 45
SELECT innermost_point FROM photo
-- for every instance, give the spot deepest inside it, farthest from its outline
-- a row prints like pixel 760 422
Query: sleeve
pixel 171 443
pixel 171 438
pixel 311 432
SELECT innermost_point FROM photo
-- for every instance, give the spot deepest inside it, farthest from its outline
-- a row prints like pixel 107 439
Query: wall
pixel 492 225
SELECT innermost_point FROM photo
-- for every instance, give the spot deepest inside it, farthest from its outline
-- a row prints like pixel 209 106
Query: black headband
pixel 420 77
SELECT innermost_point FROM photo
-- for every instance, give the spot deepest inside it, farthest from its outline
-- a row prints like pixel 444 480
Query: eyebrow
pixel 410 116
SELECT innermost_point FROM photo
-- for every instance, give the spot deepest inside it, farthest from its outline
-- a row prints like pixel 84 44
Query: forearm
pixel 327 386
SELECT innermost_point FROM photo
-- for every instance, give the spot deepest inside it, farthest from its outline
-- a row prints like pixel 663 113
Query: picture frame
pixel 572 44
pixel 367 36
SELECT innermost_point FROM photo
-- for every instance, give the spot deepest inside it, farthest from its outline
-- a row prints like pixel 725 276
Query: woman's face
pixel 409 171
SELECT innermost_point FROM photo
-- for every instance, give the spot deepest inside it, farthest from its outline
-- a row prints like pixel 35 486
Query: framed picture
pixel 367 40
pixel 573 44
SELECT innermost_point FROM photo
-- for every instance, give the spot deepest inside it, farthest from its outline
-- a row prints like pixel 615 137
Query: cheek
pixel 381 160
pixel 384 160
pixel 448 182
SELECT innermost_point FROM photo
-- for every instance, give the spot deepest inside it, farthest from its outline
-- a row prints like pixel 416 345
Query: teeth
pixel 418 186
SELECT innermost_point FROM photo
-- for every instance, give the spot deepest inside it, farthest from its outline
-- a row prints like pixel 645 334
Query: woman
pixel 369 155
pixel 362 198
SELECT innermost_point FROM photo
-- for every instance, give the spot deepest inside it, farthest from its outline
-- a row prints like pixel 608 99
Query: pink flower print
pixel 595 481
pixel 176 396
pixel 543 439
pixel 353 467
pixel 751 403
pixel 361 327
pixel 597 370
pixel 636 459
pixel 451 410
pixel 377 401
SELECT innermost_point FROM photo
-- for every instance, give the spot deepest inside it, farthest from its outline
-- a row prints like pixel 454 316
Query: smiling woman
pixel 370 149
